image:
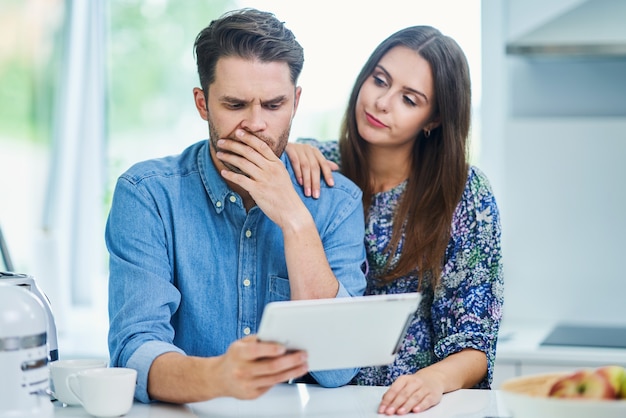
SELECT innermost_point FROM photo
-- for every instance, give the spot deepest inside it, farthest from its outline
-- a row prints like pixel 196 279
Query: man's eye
pixel 273 106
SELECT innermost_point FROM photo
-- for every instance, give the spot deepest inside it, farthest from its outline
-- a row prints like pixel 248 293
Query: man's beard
pixel 277 146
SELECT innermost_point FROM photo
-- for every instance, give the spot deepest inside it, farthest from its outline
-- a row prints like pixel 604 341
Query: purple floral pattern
pixel 465 309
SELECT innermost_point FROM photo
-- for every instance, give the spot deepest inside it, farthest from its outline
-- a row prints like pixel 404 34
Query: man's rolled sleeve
pixel 142 359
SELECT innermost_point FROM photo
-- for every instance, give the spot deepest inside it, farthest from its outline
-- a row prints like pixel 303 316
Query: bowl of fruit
pixel 585 393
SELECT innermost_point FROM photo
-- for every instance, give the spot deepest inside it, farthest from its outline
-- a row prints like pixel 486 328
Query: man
pixel 200 242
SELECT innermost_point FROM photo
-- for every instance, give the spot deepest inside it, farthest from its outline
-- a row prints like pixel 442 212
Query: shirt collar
pixel 215 185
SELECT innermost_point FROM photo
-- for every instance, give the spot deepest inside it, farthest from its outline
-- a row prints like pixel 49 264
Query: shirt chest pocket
pixel 279 289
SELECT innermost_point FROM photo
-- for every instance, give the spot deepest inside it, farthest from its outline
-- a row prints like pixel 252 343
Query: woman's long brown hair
pixel 439 167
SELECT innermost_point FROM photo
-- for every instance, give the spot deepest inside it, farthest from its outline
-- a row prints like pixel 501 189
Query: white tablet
pixel 343 332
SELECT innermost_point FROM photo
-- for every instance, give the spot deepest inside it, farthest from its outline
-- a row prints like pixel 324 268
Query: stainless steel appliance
pixel 24 382
pixel 28 282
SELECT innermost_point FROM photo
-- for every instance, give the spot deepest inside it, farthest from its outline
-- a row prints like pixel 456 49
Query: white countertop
pixel 521 341
pixel 300 400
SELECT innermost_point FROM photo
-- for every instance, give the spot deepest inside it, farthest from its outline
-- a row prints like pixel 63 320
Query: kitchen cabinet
pixel 553 143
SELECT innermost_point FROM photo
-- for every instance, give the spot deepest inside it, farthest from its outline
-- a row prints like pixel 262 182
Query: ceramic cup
pixel 105 392
pixel 60 369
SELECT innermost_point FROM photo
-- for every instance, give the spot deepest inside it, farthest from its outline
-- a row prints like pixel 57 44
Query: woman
pixel 432 223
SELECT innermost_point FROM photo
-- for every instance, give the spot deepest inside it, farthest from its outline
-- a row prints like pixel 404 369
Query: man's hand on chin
pixel 266 178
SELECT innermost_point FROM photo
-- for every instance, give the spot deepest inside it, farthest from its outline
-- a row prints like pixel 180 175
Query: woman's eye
pixel 379 81
pixel 408 100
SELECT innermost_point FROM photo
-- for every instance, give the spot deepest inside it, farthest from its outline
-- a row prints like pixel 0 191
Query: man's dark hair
pixel 250 34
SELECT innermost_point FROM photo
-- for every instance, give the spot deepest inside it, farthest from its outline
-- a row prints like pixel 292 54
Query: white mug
pixel 60 369
pixel 105 392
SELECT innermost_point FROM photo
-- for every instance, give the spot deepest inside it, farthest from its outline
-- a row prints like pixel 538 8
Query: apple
pixel 616 375
pixel 588 383
pixel 622 392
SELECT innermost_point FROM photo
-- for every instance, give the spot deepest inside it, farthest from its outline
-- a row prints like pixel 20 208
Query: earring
pixel 427 133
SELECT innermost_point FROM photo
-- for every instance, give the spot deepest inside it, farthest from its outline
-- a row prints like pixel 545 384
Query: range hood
pixel 593 28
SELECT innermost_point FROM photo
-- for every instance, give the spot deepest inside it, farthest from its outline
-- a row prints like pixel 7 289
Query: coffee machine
pixel 28 283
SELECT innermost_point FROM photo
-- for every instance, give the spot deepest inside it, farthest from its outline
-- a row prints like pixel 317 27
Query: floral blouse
pixel 465 309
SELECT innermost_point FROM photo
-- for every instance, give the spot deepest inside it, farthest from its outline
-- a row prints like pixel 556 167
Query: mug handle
pixel 71 382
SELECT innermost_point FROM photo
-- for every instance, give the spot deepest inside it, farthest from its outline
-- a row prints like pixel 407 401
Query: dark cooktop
pixel 587 336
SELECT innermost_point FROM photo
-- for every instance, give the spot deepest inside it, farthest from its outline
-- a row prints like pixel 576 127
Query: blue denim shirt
pixel 191 270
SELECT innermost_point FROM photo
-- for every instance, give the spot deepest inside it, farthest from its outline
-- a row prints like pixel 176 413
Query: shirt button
pixel 232 199
pixel 246 282
pixel 248 233
pixel 246 331
pixel 218 204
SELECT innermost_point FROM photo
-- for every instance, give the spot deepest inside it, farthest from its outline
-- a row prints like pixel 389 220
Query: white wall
pixel 558 139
